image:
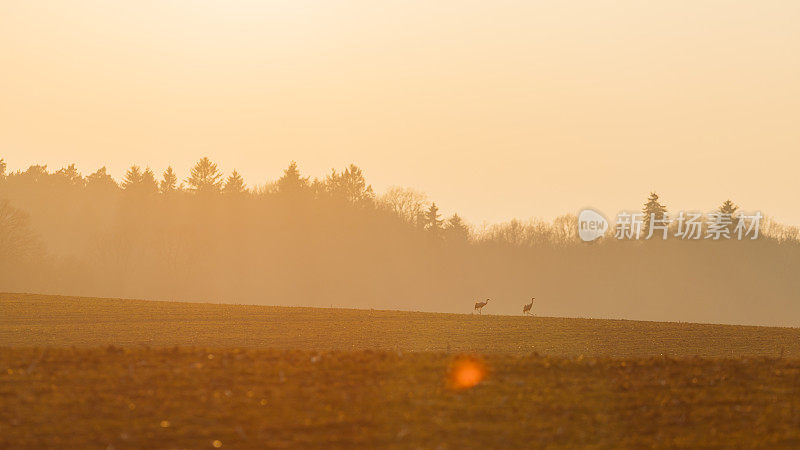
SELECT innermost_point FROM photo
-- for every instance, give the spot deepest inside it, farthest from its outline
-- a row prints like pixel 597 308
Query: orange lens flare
pixel 466 372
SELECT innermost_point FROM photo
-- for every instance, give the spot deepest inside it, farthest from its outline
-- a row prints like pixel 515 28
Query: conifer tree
pixel 138 181
pixel 291 182
pixel 653 208
pixel 234 185
pixel 350 185
pixel 205 177
pixel 456 230
pixel 729 209
pixel 433 222
pixel 133 177
pixel 169 182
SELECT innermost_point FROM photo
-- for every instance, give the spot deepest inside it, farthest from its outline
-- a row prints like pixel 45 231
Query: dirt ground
pixel 235 398
pixel 40 320
pixel 112 374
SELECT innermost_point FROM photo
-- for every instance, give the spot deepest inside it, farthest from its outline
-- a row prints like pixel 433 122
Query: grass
pixel 102 373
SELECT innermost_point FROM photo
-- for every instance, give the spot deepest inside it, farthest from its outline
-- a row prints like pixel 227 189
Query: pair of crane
pixel 526 308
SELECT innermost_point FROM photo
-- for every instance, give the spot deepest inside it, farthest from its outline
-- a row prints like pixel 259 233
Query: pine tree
pixel 291 182
pixel 729 209
pixel 140 182
pixel 433 222
pixel 652 207
pixel 350 185
pixel 234 185
pixel 149 183
pixel 456 230
pixel 205 177
pixel 169 182
pixel 133 178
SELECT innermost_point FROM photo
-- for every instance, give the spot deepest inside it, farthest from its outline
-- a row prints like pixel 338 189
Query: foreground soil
pixel 239 398
pixel 112 373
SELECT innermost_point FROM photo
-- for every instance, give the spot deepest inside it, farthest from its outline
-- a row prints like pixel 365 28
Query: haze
pixel 496 110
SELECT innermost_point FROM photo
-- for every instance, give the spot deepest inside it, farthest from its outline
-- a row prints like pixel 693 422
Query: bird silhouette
pixel 526 309
pixel 479 305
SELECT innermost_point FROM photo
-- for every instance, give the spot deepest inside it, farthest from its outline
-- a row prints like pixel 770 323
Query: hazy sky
pixel 495 109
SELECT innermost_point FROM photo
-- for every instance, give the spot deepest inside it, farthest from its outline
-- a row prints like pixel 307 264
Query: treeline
pixel 335 242
pixel 212 237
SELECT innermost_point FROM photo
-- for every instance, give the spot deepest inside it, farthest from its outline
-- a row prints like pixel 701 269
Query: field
pixel 109 373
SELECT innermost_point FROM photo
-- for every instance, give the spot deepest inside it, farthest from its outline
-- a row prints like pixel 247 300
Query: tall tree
pixel 2 169
pixel 70 176
pixel 36 174
pixel 456 230
pixel 234 185
pixel 652 208
pixel 101 180
pixel 729 209
pixel 420 220
pixel 291 182
pixel 406 203
pixel 149 183
pixel 17 238
pixel 140 182
pixel 205 177
pixel 133 177
pixel 564 230
pixel 169 182
pixel 350 185
pixel 433 222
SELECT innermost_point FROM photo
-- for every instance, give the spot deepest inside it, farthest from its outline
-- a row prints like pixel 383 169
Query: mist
pixel 334 242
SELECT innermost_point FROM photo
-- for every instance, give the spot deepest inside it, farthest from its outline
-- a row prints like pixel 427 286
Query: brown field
pixel 107 373
pixel 41 320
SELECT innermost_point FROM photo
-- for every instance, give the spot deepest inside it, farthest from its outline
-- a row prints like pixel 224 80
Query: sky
pixel 496 110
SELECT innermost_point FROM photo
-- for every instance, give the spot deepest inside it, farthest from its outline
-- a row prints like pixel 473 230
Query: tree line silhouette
pixel 334 241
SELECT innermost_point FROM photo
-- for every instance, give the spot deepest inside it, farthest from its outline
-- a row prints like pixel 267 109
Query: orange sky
pixel 495 109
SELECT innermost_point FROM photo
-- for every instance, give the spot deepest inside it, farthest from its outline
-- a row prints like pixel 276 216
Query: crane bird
pixel 526 309
pixel 479 305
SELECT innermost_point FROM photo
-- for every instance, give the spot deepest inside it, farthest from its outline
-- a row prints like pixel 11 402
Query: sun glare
pixel 466 372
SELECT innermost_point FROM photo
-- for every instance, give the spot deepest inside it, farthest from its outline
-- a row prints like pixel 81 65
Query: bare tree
pixel 406 203
pixel 17 239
